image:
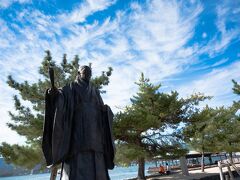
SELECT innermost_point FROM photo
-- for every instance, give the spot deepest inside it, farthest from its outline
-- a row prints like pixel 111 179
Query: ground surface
pixel 193 174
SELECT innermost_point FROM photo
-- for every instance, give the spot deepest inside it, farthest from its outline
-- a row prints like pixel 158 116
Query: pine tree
pixel 226 125
pixel 214 130
pixel 141 128
pixel 236 90
pixel 28 120
pixel 236 87
pixel 198 132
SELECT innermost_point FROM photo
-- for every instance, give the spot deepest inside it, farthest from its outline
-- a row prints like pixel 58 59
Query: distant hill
pixel 11 170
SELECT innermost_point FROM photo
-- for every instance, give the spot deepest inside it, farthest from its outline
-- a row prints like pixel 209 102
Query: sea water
pixel 118 173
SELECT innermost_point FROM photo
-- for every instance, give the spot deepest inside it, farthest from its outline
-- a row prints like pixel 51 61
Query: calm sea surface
pixel 118 173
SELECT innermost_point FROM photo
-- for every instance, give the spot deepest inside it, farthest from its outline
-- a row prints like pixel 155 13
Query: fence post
pixel 230 172
pixel 220 171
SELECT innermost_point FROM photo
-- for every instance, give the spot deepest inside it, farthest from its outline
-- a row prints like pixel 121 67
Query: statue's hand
pixel 52 90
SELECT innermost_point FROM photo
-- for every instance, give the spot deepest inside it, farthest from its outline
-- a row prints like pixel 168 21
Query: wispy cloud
pixel 6 134
pixel 152 37
pixel 218 63
pixel 225 35
pixel 217 83
pixel 83 10
pixel 7 3
pixel 146 40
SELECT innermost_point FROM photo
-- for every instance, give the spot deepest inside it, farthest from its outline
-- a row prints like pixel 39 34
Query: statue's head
pixel 85 73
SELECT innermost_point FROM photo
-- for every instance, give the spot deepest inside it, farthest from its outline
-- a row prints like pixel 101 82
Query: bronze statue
pixel 78 130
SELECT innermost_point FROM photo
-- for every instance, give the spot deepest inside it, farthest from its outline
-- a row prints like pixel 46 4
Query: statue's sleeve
pixel 109 146
pixel 108 142
pixel 57 125
pixel 50 107
pixel 100 100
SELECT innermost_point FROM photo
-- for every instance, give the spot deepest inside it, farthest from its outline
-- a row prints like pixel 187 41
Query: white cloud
pixel 153 38
pixel 204 35
pixel 152 41
pixel 36 32
pixel 6 134
pixel 85 9
pixel 217 83
pixel 225 35
pixel 7 3
pixel 222 61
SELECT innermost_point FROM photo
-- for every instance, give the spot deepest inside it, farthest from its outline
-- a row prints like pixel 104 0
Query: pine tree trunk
pixel 202 162
pixel 183 165
pixel 203 149
pixel 141 168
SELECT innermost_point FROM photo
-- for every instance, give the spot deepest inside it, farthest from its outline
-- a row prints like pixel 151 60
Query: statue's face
pixel 85 73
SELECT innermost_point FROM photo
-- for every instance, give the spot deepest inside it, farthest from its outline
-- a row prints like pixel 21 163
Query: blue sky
pixel 188 46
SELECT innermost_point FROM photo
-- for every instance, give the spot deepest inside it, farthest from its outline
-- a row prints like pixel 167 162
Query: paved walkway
pixel 194 174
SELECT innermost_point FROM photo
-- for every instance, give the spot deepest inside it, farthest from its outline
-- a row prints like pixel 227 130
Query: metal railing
pixel 228 163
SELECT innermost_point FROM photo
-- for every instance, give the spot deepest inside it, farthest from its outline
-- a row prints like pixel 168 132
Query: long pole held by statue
pixel 51 75
pixel 54 168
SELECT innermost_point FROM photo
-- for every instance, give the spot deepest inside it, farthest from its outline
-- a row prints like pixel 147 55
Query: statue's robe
pixel 78 132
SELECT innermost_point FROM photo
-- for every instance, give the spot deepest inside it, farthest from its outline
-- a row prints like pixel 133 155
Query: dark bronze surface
pixel 78 129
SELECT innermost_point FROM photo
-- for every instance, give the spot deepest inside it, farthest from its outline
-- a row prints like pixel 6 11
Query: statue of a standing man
pixel 77 130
